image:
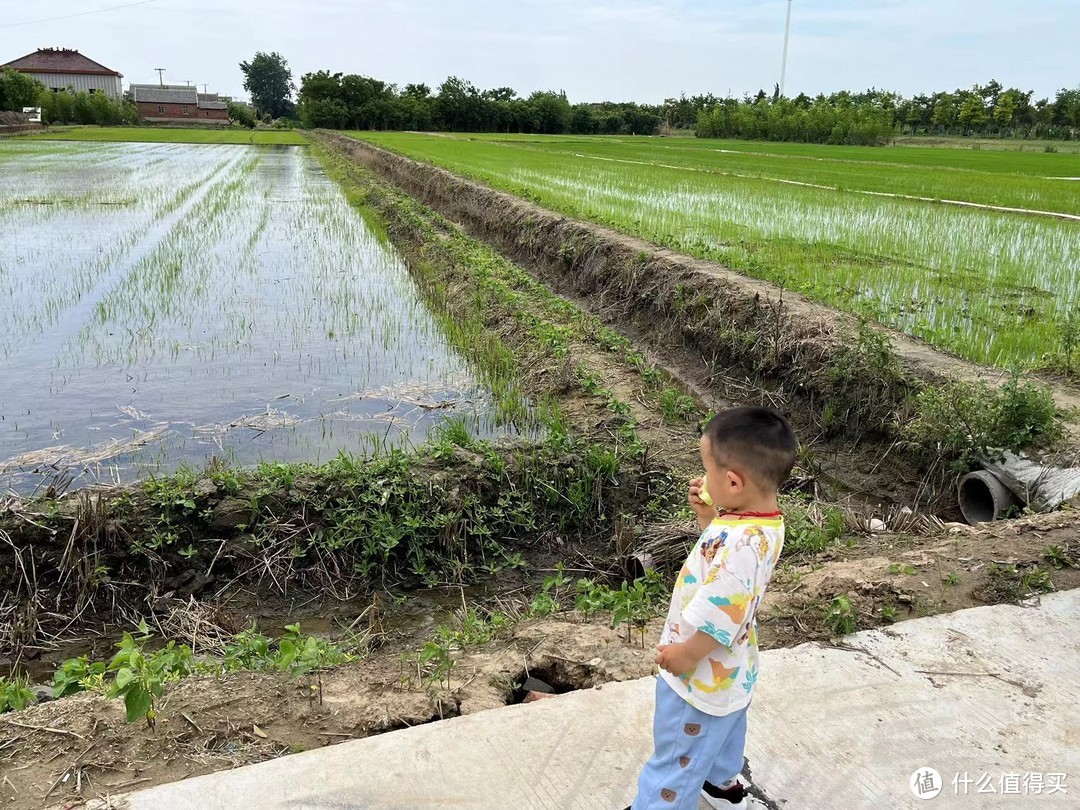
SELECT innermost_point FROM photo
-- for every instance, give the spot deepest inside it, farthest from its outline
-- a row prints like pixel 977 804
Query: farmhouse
pixel 63 69
pixel 176 103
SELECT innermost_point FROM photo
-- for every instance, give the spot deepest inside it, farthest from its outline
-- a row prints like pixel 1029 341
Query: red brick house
pixel 174 104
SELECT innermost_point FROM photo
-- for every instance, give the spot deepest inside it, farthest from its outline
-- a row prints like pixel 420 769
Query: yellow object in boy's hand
pixel 704 493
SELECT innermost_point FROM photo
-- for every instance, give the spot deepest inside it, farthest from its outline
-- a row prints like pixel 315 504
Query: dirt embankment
pixel 74 749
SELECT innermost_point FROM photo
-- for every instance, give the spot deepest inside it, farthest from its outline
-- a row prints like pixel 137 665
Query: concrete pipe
pixel 984 498
pixel 639 564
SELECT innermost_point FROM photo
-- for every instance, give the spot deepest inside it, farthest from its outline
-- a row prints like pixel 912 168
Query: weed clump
pixel 15 694
pixel 957 423
pixel 841 617
pixel 810 526
pixel 1014 583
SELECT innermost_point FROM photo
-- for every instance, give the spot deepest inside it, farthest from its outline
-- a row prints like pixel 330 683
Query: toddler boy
pixel 708 653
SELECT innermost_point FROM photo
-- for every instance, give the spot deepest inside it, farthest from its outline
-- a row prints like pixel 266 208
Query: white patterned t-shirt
pixel 718 591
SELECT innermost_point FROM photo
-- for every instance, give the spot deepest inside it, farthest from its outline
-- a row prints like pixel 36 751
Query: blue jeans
pixel 689 748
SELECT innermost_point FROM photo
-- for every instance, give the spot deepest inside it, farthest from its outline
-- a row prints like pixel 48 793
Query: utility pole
pixel 787 37
pixel 204 88
pixel 160 73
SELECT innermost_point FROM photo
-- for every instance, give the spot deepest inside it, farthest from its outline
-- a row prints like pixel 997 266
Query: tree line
pixel 874 117
pixel 350 101
pixel 17 91
pixel 339 101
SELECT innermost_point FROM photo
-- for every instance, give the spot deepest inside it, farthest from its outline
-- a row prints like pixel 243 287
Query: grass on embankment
pixel 991 287
pixel 177 135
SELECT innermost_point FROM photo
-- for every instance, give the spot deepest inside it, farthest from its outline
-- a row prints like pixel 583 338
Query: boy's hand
pixel 676 659
pixel 705 513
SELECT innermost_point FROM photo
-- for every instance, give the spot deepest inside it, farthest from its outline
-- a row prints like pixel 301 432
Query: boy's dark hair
pixel 758 442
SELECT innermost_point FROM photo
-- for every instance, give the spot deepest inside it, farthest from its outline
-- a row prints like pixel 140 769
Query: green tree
pixel 550 112
pixel 82 110
pixel 944 112
pixel 269 81
pixel 458 105
pixel 241 114
pixel 1005 108
pixel 972 114
pixel 17 90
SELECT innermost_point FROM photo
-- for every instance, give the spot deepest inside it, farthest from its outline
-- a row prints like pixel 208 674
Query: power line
pixel 78 14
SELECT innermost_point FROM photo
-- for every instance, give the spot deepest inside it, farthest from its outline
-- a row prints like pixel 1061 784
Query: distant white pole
pixel 787 37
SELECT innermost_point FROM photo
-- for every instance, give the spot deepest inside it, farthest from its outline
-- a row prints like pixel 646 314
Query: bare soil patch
pixel 72 750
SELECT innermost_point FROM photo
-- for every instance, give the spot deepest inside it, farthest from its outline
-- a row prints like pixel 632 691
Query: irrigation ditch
pixel 434 582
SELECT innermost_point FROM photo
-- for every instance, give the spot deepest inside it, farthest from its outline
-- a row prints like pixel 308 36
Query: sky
pixel 620 50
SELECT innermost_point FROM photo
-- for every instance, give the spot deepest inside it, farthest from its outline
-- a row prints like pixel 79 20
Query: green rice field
pixel 175 135
pixel 163 304
pixel 895 234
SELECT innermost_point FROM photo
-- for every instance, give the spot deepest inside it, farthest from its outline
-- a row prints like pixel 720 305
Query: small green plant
pixel 841 617
pixel 15 694
pixel 1068 338
pixel 78 675
pixel 453 432
pixel 174 493
pixel 472 628
pixel 278 474
pixel 139 677
pixel 675 406
pixel 1013 583
pixel 249 650
pixel 888 613
pixel 952 579
pixel 591 597
pixel 225 478
pixel 301 655
pixel 632 604
pixel 546 602
pixel 436 656
pixel 906 570
pixel 542 605
pixel 810 526
pixel 1062 557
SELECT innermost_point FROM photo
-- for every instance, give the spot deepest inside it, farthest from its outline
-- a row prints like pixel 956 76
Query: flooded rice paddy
pixel 165 304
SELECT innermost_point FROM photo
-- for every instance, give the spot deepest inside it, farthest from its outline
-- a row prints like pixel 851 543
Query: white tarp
pixel 1042 488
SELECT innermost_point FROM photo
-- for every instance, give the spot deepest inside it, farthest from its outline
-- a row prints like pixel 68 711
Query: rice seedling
pixel 213 300
pixel 988 285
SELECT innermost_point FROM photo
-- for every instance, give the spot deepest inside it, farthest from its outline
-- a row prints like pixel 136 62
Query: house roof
pixel 59 60
pixel 148 94
pixel 213 105
pixel 159 86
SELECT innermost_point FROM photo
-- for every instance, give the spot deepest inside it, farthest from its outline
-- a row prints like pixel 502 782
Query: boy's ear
pixel 736 483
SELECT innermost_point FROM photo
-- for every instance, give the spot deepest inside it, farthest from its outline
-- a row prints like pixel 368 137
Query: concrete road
pixel 988 698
